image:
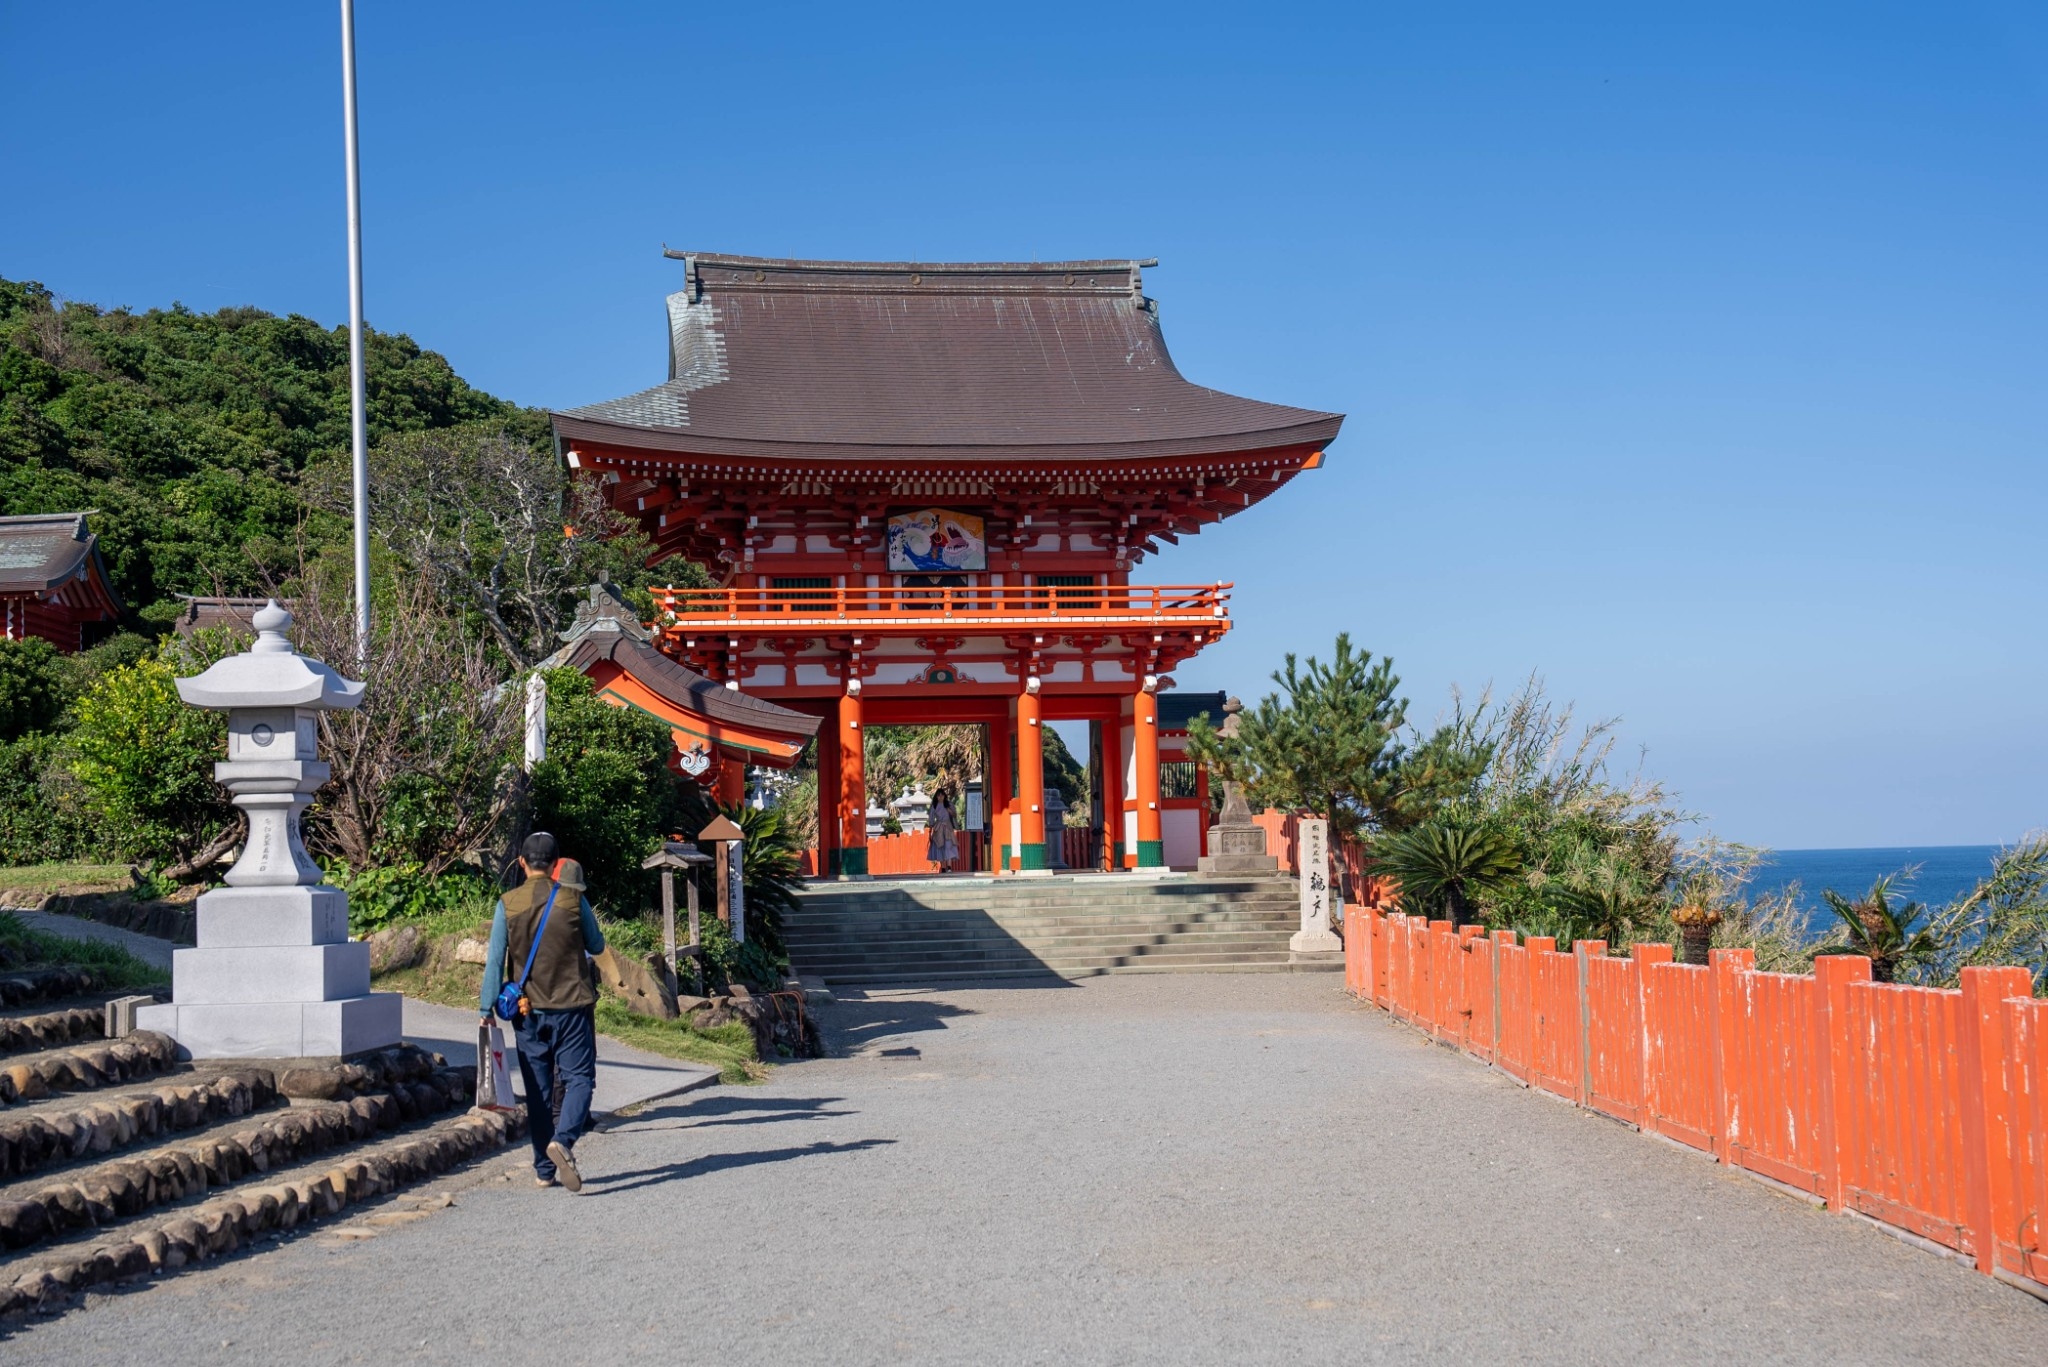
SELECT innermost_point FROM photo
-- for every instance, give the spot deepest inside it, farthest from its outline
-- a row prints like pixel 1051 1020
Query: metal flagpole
pixel 358 392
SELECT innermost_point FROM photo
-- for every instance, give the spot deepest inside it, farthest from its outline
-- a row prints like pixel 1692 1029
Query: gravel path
pixel 1183 1169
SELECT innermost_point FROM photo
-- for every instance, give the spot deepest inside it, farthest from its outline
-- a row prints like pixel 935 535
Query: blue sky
pixel 1693 360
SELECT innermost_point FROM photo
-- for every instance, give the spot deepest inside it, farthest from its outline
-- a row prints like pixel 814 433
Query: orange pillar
pixel 828 800
pixel 732 782
pixel 853 790
pixel 1145 761
pixel 1030 851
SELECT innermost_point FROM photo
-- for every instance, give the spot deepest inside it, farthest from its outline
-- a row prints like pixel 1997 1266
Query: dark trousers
pixel 556 1049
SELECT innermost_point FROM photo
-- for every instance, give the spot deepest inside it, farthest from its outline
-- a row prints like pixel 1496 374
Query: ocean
pixel 1945 873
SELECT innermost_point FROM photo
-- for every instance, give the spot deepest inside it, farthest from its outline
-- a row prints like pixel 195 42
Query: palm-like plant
pixel 1891 937
pixel 1440 865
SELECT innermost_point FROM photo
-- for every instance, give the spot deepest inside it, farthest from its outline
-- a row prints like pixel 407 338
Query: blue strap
pixel 539 931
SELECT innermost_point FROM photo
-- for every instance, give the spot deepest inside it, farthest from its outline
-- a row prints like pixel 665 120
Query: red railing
pixel 919 604
pixel 1923 1109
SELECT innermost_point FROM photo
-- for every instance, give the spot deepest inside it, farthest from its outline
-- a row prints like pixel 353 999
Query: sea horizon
pixel 1938 873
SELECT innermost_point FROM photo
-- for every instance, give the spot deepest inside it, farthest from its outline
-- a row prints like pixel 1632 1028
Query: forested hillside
pixel 189 431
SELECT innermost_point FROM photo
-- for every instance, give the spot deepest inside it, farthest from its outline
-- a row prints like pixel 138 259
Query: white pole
pixel 358 392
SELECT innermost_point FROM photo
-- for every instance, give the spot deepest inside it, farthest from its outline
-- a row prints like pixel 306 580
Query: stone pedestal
pixel 274 974
pixel 1237 844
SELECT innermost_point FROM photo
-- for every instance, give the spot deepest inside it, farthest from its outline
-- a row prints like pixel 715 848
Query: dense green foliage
pixel 188 432
pixel 606 790
pixel 1331 741
pixel 33 687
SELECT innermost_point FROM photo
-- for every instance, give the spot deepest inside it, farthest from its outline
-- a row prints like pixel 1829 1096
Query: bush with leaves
pixel 606 790
pixel 146 760
pixel 43 815
pixel 34 687
pixel 1335 741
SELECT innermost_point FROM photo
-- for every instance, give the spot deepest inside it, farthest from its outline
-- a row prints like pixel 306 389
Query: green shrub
pixel 606 790
pixel 146 761
pixel 32 687
pixel 385 896
pixel 43 819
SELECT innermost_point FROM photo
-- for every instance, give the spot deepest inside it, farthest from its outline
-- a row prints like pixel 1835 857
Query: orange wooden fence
pixel 1922 1109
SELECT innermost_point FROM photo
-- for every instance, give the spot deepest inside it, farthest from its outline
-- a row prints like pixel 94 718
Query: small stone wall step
pixel 69 1129
pixel 1095 954
pixel 1040 940
pixel 85 1067
pixel 32 986
pixel 44 1027
pixel 79 1202
pixel 263 1208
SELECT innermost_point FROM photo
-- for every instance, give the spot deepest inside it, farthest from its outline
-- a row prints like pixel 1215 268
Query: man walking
pixel 556 1029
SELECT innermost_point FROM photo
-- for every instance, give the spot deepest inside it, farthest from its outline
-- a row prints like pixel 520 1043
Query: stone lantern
pixel 274 974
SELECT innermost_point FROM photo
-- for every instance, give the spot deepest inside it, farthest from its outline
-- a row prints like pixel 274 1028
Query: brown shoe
pixel 565 1166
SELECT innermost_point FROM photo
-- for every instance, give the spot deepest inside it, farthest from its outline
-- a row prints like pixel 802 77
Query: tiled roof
pixel 40 552
pixel 605 629
pixel 831 359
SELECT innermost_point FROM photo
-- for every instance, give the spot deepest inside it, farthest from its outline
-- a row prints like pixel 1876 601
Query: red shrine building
pixel 925 491
pixel 53 584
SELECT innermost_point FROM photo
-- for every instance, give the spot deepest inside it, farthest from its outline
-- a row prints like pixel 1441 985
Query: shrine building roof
pixel 38 553
pixel 850 360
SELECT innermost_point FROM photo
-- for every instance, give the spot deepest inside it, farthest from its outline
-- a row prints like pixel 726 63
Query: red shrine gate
pixel 925 488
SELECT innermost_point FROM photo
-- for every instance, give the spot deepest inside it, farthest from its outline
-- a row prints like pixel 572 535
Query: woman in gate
pixel 940 847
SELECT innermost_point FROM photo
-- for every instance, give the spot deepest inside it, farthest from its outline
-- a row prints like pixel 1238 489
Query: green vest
pixel 559 982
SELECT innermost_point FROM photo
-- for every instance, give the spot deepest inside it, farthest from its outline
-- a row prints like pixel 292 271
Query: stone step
pixel 952 927
pixel 65 1129
pixel 843 905
pixel 43 1027
pixel 264 1206
pixel 1069 945
pixel 1281 964
pixel 29 986
pixel 51 1207
pixel 84 1067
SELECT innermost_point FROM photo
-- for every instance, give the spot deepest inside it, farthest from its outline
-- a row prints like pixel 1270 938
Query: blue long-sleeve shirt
pixel 494 957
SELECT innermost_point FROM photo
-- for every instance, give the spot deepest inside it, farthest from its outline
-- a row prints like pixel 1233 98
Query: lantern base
pixel 313 1029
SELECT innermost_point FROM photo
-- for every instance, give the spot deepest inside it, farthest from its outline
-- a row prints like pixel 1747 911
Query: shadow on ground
pixel 619 1183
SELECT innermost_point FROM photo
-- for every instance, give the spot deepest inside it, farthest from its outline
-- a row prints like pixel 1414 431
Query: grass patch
pixel 48 879
pixel 114 966
pixel 728 1048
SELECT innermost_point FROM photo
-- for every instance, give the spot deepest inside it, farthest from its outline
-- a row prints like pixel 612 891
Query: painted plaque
pixel 936 541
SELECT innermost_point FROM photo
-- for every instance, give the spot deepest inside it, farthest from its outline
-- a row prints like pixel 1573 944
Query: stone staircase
pixel 1078 926
pixel 118 1162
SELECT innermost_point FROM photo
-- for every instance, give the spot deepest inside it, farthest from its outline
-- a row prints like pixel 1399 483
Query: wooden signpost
pixel 673 855
pixel 727 836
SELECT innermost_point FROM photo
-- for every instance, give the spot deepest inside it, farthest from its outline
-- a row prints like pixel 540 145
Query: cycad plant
pixel 1891 937
pixel 1442 866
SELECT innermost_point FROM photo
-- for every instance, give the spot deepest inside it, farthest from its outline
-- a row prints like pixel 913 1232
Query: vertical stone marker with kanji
pixel 1315 935
pixel 275 975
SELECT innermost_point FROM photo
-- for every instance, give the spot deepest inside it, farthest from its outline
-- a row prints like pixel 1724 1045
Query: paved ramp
pixel 1209 1169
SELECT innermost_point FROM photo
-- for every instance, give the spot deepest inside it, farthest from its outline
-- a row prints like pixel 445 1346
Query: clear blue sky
pixel 1695 361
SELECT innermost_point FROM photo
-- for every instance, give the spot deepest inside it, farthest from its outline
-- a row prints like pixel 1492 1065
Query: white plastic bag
pixel 493 1077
